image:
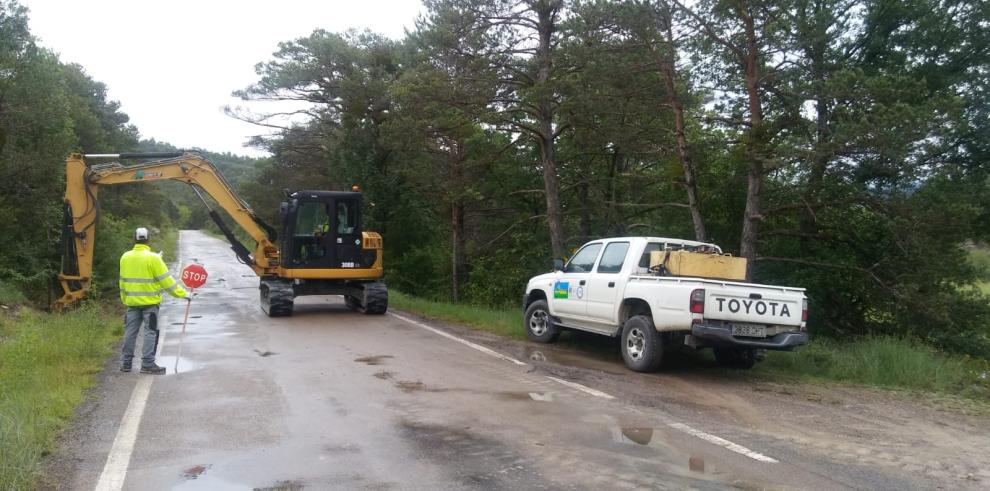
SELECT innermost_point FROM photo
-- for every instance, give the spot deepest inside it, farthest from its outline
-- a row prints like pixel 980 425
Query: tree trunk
pixel 457 248
pixel 754 145
pixel 458 239
pixel 585 224
pixel 821 155
pixel 668 68
pixel 547 16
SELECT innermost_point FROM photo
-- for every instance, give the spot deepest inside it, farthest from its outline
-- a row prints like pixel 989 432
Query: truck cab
pixel 619 287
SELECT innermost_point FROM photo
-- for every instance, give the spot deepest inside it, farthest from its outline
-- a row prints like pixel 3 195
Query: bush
pixel 11 295
pixel 980 259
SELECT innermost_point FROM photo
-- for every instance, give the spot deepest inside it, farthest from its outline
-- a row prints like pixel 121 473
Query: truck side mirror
pixel 558 264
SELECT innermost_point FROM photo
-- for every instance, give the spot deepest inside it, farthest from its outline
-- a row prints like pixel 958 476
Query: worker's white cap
pixel 141 234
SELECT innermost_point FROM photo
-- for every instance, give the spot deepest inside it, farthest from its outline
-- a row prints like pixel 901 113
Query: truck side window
pixel 584 260
pixel 613 257
pixel 644 261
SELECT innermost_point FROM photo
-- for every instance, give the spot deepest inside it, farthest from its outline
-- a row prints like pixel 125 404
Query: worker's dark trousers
pixel 132 324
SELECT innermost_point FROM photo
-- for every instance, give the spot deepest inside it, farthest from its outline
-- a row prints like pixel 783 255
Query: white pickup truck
pixel 609 288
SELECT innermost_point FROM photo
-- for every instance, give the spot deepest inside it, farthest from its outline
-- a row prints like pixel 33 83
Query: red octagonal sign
pixel 194 276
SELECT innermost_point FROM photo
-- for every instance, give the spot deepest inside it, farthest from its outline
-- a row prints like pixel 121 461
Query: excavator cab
pixel 323 229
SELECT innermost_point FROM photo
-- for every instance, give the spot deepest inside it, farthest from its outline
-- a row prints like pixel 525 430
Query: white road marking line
pixel 739 449
pixel 465 342
pixel 582 388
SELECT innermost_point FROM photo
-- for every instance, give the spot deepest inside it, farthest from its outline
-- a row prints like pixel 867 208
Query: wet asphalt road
pixel 330 398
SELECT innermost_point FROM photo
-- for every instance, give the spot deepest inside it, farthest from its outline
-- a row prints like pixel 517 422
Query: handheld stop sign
pixel 193 276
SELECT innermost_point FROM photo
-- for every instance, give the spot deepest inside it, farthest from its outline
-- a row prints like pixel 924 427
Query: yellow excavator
pixel 323 248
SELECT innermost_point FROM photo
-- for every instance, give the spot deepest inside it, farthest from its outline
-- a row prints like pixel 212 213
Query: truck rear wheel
pixel 642 348
pixel 743 358
pixel 539 325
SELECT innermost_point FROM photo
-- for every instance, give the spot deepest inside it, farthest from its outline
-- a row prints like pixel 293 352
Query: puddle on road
pixel 527 396
pixel 410 386
pixel 185 364
pixel 210 335
pixel 295 485
pixel 572 359
pixel 633 435
pixel 195 471
pixel 373 360
pixel 696 464
pixel 418 386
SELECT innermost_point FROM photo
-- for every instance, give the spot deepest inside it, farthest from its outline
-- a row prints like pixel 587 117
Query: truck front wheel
pixel 539 326
pixel 642 348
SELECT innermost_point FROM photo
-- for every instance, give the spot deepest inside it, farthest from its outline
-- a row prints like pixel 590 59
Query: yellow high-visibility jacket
pixel 143 276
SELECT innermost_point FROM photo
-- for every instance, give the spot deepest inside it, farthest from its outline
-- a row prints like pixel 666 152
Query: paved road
pixel 333 399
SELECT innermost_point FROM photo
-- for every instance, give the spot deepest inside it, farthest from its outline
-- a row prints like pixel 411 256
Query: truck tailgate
pixel 754 304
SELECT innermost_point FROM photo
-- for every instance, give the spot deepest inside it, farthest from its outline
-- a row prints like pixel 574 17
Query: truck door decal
pixel 560 289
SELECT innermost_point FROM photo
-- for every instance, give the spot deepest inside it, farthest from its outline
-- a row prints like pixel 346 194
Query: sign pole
pixel 182 336
pixel 193 276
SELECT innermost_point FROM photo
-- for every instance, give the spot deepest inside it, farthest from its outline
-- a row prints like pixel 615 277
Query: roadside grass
pixel 504 322
pixel 883 361
pixel 47 361
pixel 886 362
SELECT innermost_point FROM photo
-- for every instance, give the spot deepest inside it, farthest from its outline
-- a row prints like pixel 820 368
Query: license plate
pixel 749 330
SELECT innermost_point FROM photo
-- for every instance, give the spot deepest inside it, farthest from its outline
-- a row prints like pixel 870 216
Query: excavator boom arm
pixel 83 181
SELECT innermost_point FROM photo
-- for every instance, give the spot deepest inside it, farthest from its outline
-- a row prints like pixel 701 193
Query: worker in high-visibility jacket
pixel 143 277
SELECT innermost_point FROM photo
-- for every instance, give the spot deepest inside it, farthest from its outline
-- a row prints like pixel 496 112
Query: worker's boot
pixel 153 369
pixel 125 367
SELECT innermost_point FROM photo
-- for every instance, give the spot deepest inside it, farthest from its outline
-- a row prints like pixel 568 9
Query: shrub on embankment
pixel 47 361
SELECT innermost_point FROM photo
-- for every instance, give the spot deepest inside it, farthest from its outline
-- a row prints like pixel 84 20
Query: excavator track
pixel 276 298
pixel 374 300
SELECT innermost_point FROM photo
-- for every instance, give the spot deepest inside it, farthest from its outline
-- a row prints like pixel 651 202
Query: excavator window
pixel 345 218
pixel 312 224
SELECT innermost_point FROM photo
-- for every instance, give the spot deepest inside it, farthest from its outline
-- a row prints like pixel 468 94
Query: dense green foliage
pixel 840 145
pixel 46 363
pixel 49 109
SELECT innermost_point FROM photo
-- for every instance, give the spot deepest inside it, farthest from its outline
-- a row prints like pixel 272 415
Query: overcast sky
pixel 173 64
